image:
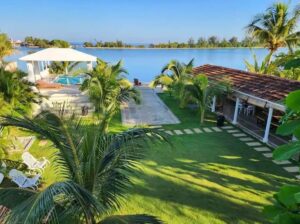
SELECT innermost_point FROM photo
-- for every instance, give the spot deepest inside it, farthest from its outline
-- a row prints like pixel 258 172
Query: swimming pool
pixel 70 80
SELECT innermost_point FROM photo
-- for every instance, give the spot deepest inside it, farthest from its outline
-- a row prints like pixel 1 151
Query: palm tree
pixel 6 47
pixel 276 27
pixel 201 92
pixel 92 170
pixel 17 93
pixel 108 88
pixel 174 75
pixel 63 67
pixel 264 68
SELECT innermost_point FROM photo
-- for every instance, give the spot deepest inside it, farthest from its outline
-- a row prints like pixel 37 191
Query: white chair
pixel 23 181
pixel 1 177
pixel 249 110
pixel 33 163
pixel 240 108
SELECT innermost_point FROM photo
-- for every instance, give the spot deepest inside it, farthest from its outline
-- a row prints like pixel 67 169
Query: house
pixel 257 101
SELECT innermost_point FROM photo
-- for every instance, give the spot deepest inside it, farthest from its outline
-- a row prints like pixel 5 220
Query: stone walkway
pixel 251 142
pixel 151 111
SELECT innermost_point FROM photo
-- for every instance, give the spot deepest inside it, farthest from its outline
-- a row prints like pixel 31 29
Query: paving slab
pixel 282 162
pixel 291 169
pixel 207 130
pixel 246 139
pixel 262 149
pixel 197 130
pixel 178 132
pixel 216 129
pixel 227 127
pixel 239 135
pixel 151 110
pixel 169 132
pixel 268 155
pixel 188 131
pixel 253 143
pixel 233 131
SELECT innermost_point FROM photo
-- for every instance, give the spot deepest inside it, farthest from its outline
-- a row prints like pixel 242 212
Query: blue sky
pixel 134 21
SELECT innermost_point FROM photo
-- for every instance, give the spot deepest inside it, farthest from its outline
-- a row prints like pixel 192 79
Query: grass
pixel 205 178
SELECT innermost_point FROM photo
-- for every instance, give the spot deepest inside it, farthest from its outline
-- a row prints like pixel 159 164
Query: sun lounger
pixel 33 164
pixel 23 181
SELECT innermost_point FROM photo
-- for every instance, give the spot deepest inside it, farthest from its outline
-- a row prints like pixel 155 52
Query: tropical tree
pixel 174 75
pixel 201 92
pixel 264 68
pixel 6 47
pixel 63 67
pixel 92 170
pixel 276 27
pixel 108 88
pixel 286 206
pixel 16 93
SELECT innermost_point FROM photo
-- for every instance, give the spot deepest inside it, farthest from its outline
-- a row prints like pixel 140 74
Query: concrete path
pixel 151 111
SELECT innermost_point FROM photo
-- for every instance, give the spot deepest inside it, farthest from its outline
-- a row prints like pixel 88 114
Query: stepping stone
pixel 239 135
pixel 262 149
pixel 283 162
pixel 227 127
pixel 216 129
pixel 233 131
pixel 291 169
pixel 207 130
pixel 169 132
pixel 268 155
pixel 253 143
pixel 178 132
pixel 197 130
pixel 246 139
pixel 188 131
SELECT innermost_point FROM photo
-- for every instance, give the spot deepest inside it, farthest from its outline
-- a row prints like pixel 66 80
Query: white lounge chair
pixel 1 177
pixel 33 163
pixel 23 181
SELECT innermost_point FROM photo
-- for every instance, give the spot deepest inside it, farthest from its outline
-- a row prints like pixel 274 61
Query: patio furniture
pixel 33 163
pixel 1 177
pixel 240 108
pixel 249 110
pixel 22 180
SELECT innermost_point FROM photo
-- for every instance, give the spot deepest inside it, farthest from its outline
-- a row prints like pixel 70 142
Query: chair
pixel 249 110
pixel 23 181
pixel 1 177
pixel 33 163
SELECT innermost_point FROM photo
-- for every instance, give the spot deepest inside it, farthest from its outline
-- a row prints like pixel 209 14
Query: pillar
pixel 268 125
pixel 213 105
pixel 236 110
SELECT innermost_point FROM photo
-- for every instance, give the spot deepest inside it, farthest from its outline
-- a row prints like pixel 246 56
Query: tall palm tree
pixel 201 92
pixel 276 27
pixel 108 88
pixel 6 47
pixel 174 75
pixel 16 92
pixel 92 170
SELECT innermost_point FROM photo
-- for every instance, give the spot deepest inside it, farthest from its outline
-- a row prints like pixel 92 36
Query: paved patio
pixel 151 111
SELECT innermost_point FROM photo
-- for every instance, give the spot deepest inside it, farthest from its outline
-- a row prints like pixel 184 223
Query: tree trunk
pixel 202 113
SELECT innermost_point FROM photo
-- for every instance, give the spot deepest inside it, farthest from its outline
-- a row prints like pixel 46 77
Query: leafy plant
pixel 6 47
pixel 92 169
pixel 286 209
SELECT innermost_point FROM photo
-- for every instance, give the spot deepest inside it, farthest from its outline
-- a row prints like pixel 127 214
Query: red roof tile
pixel 267 87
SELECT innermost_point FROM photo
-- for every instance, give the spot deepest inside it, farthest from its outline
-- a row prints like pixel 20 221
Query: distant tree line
pixel 110 44
pixel 210 42
pixel 44 43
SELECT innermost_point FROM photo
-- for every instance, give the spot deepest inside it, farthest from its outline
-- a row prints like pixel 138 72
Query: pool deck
pixel 151 111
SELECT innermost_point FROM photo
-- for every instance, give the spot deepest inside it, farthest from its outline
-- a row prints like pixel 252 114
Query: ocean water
pixel 144 64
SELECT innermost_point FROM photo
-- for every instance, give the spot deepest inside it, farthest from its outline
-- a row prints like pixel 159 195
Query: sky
pixel 132 21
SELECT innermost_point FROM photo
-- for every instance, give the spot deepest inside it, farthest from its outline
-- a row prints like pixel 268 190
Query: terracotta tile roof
pixel 267 87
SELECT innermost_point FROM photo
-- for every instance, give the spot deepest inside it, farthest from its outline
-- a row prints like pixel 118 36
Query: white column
pixel 213 105
pixel 268 125
pixel 236 110
pixel 30 71
pixel 90 66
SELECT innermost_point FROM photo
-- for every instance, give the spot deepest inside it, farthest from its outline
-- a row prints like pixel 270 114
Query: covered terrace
pixel 256 103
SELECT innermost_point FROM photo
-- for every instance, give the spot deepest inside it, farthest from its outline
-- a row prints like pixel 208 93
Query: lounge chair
pixel 33 164
pixel 1 177
pixel 23 181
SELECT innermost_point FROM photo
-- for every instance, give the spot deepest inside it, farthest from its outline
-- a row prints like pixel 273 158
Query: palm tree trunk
pixel 270 56
pixel 202 114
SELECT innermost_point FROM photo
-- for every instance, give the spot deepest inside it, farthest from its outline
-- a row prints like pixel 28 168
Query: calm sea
pixel 144 64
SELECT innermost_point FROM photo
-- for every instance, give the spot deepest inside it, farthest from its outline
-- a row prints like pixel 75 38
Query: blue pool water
pixel 144 64
pixel 70 80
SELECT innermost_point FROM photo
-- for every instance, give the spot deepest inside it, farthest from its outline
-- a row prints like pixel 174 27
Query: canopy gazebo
pixel 37 63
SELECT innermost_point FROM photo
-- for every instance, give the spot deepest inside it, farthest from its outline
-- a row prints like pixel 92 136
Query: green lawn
pixel 203 178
